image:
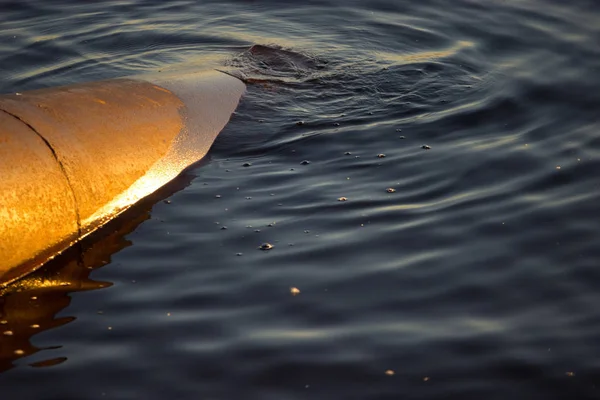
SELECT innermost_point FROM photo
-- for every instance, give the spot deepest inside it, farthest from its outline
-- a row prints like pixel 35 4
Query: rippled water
pixel 477 277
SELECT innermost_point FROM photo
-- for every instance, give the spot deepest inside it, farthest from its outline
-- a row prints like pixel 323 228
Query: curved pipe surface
pixel 74 157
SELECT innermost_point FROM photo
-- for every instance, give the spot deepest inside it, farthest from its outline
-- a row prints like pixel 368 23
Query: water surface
pixel 476 277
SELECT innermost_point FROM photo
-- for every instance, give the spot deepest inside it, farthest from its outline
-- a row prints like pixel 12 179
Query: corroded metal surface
pixel 37 207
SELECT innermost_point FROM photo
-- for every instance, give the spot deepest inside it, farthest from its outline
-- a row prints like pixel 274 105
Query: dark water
pixel 478 278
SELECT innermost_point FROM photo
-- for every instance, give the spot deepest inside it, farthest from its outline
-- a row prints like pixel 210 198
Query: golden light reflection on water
pixel 424 55
pixel 30 305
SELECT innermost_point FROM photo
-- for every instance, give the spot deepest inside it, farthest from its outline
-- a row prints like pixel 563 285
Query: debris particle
pixel 343 199
pixel 381 155
pixel 266 246
pixel 305 162
pixel 390 372
pixel 246 164
pixel 294 291
pixel 390 190
pixel 426 147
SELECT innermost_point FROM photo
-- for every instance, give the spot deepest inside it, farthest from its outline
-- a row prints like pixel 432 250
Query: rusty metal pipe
pixel 74 157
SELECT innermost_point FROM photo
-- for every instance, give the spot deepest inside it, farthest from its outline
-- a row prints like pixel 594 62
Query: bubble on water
pixel 402 137
pixel 399 130
pixel 266 246
pixel 218 196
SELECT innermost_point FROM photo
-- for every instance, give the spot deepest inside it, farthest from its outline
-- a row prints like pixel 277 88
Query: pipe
pixel 74 157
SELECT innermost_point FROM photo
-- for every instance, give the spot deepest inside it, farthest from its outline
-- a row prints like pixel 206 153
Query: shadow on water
pixel 30 305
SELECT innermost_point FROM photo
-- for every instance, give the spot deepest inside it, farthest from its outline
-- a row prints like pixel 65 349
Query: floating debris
pixel 343 199
pixel 294 291
pixel 381 155
pixel 426 147
pixel 34 326
pixel 300 123
pixel 390 190
pixel 246 164
pixel 570 373
pixel 239 254
pixel 19 352
pixel 347 153
pixel 266 246
pixel 390 372
pixel 223 227
pixel 402 137
pixel 398 130
pixel 305 162
pixel 218 196
pixel 425 379
pixel 336 124
pixel 167 201
pixel 7 333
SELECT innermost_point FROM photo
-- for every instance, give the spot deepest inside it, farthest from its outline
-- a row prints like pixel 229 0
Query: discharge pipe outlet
pixel 74 157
